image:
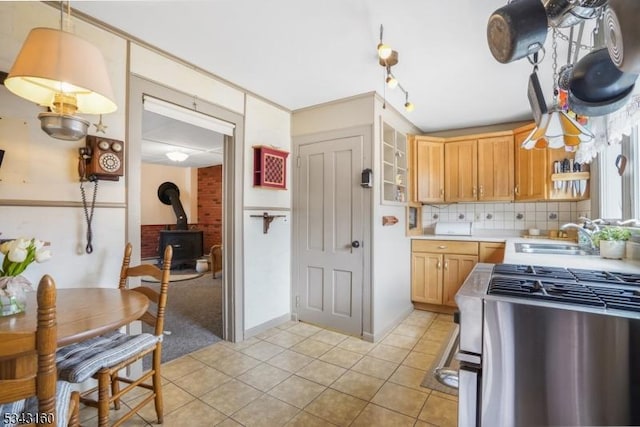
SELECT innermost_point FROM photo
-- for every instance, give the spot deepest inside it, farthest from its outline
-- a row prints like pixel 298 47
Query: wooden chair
pixel 29 392
pixel 102 358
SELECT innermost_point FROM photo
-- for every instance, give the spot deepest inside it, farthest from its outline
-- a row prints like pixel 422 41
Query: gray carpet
pixel 193 318
pixel 429 380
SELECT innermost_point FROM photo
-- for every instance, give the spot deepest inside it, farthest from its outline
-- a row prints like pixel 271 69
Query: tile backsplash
pixel 508 216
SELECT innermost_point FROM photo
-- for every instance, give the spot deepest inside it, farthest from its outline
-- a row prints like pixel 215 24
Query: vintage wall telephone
pixel 100 159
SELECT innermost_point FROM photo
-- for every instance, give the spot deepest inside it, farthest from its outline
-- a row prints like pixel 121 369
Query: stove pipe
pixel 169 194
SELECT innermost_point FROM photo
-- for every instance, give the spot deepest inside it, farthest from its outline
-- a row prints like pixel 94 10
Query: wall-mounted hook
pixel 267 220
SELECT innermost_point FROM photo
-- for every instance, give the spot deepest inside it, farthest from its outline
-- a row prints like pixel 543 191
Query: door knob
pixel 355 244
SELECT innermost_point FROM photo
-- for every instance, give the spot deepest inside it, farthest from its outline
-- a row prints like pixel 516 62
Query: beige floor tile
pixel 290 361
pixel 375 367
pixel 89 417
pixel 236 365
pixel 428 346
pixel 305 419
pixel 374 415
pixel 442 325
pixel 264 377
pixel 202 380
pixel 388 352
pixel 336 407
pixel 321 372
pixel 436 334
pixel 440 411
pixel 329 337
pixel 237 346
pixel 358 385
pixel 285 339
pixel 173 398
pixel 210 355
pixel 356 345
pixel 229 422
pixel 194 414
pixel 444 317
pixel 297 391
pixel 265 411
pixel 401 341
pixel 401 399
pixel 287 325
pixel 420 423
pixel 418 321
pixel 304 329
pixel 445 395
pixel 134 421
pixel 409 377
pixel 410 330
pixel 312 347
pixel 231 396
pixel 419 360
pixel 341 357
pixel 262 350
pixel 268 333
pixel 180 367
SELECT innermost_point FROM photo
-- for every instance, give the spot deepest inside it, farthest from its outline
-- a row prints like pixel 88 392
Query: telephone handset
pixel 100 159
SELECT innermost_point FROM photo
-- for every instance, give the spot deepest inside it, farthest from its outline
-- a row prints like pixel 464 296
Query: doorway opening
pixel 204 181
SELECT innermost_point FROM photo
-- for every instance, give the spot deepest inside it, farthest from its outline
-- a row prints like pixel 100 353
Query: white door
pixel 330 233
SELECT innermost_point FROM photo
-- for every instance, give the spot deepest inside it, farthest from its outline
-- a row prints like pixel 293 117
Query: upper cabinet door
pixel 530 171
pixel 461 164
pixel 429 171
pixel 495 168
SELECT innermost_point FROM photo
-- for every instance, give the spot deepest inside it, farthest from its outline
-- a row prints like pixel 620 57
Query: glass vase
pixel 13 294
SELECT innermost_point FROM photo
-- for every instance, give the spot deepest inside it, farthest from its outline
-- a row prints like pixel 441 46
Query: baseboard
pixel 248 333
pixel 377 336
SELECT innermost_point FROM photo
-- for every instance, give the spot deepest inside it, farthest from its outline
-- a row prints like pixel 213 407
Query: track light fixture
pixel 387 57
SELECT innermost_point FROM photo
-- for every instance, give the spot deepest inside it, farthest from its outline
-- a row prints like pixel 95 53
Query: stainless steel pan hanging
pixel 516 30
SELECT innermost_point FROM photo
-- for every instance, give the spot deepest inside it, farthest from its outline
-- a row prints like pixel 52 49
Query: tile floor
pixel 301 375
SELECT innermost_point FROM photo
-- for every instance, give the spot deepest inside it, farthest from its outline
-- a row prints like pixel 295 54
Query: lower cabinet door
pixel 455 270
pixel 426 277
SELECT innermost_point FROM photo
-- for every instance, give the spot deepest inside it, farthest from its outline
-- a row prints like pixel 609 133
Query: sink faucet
pixel 593 224
pixel 629 222
pixel 584 235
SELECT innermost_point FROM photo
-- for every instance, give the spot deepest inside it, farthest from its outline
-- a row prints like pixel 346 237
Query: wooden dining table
pixel 82 313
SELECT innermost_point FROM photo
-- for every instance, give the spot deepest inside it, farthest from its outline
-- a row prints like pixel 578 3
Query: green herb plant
pixel 615 233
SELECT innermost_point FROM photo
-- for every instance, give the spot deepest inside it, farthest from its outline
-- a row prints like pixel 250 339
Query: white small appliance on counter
pixel 459 228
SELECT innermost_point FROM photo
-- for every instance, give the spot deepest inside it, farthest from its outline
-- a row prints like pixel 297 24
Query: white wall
pixel 391 266
pixel 41 170
pixel 154 212
pixel 267 257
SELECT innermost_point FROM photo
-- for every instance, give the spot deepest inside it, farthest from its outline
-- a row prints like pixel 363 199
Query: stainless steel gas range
pixel 541 346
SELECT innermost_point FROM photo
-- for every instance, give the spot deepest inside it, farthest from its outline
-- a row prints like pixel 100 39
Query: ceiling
pixel 301 53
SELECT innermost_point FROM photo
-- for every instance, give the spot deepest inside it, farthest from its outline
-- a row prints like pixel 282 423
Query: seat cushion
pixel 30 406
pixel 78 362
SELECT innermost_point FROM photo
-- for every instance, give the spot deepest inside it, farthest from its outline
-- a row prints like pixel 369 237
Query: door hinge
pixel 297 300
pixel 298 161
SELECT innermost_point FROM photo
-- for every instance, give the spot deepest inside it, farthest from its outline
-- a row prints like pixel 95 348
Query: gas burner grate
pixel 595 276
pixel 621 299
pixel 562 292
pixel 533 270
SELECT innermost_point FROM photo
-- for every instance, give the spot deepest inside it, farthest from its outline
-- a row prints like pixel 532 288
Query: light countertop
pixel 510 237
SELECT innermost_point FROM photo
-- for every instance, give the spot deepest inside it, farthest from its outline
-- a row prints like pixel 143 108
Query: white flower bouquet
pixel 18 255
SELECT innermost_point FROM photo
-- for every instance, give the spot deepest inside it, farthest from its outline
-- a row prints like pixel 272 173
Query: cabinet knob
pixel 481 190
pixel 442 192
pixel 446 265
pixel 473 191
pixel 439 265
pixel 442 247
pixel 517 189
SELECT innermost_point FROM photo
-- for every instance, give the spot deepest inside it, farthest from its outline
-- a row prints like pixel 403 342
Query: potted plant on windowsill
pixel 612 241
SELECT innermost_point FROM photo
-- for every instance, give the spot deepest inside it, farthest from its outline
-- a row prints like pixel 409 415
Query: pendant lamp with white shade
pixel 67 74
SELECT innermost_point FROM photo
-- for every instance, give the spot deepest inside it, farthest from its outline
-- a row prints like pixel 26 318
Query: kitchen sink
pixel 552 248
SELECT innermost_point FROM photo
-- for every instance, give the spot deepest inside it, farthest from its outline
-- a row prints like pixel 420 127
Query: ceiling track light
pixel 387 57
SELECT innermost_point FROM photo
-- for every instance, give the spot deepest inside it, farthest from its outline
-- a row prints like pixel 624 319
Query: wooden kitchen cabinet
pixel 495 168
pixel 491 252
pixel 428 170
pixel 438 269
pixel 461 171
pixel 530 169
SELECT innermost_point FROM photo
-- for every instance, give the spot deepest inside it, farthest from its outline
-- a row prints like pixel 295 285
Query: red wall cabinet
pixel 269 167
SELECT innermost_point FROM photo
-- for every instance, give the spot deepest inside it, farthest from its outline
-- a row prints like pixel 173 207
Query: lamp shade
pixel 53 61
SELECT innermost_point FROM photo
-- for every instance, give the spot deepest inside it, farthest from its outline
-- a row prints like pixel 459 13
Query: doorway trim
pixel 366 132
pixel 232 278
